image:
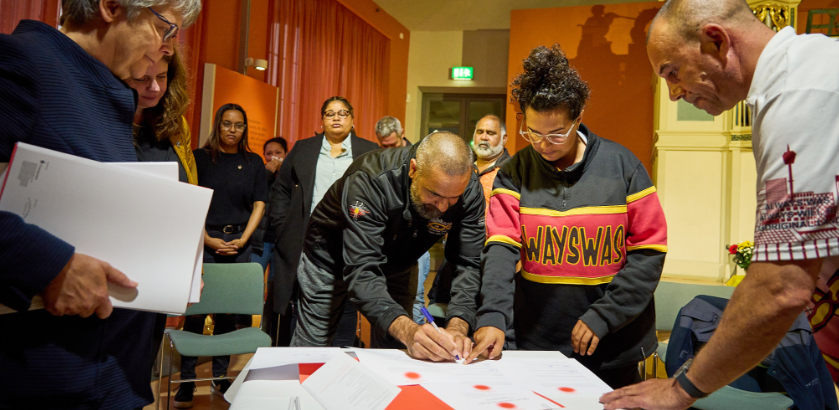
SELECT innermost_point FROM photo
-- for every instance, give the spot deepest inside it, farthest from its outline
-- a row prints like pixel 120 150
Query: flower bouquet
pixel 742 256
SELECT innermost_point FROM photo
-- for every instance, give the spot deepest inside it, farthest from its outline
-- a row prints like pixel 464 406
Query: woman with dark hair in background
pixel 274 152
pixel 583 216
pixel 237 177
pixel 161 133
pixel 308 171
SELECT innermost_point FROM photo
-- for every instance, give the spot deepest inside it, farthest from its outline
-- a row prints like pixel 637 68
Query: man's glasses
pixel 535 137
pixel 342 114
pixel 226 125
pixel 171 32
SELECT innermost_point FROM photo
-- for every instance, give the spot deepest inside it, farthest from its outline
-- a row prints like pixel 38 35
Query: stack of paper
pixel 147 226
pixel 344 384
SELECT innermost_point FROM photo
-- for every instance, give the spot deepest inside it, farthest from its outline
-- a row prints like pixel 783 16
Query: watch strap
pixel 689 387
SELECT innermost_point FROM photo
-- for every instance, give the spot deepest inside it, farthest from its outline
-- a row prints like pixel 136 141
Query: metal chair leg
pixel 169 387
pixel 160 372
pixel 655 365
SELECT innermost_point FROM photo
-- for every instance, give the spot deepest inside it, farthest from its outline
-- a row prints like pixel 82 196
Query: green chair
pixel 670 297
pixel 228 288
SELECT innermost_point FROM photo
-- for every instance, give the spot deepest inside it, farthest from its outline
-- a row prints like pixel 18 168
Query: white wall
pixel 433 54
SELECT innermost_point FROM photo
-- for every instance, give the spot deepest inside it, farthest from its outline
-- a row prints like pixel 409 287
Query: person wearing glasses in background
pixel 64 90
pixel 583 216
pixel 240 189
pixel 308 171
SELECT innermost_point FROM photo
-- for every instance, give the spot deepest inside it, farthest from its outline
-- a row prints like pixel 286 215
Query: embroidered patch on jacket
pixel 358 209
pixel 437 226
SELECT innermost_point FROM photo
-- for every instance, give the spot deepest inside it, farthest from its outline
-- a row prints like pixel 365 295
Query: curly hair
pixel 166 118
pixel 549 83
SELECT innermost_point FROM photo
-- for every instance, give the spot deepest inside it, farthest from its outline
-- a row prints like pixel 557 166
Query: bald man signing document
pixel 366 234
pixel 714 54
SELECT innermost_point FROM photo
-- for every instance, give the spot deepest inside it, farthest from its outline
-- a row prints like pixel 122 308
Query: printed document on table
pixel 272 395
pixel 554 377
pixel 403 370
pixel 481 396
pixel 281 363
pixel 344 384
pixel 123 217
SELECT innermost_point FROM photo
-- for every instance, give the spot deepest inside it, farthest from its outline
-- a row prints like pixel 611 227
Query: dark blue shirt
pixel 55 95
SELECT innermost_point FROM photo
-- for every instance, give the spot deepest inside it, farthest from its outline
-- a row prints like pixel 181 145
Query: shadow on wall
pixel 619 83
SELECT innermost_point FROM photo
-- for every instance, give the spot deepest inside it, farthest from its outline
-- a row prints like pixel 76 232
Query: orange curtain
pixel 190 46
pixel 13 11
pixel 318 49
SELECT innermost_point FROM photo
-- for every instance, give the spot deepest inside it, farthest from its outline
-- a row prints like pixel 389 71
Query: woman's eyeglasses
pixel 226 125
pixel 171 31
pixel 535 137
pixel 342 114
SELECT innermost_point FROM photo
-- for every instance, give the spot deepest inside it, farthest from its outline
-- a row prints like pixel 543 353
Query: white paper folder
pixel 148 226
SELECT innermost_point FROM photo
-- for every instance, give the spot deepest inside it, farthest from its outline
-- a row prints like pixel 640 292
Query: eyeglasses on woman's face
pixel 331 114
pixel 239 126
pixel 535 137
pixel 171 32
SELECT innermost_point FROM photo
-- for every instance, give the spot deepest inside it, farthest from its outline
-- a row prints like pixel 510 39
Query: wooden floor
pixel 203 399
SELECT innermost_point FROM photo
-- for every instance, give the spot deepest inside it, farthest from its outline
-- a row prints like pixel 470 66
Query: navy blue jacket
pixel 55 95
pixel 796 362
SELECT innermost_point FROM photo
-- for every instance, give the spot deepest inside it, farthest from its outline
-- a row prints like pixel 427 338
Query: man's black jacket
pixel 365 228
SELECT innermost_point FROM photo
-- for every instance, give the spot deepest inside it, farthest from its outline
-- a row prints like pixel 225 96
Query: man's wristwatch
pixel 682 378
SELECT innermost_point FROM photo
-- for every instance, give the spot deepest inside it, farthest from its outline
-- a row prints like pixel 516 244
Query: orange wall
pixel 807 5
pixel 608 50
pixel 258 99
pixel 397 77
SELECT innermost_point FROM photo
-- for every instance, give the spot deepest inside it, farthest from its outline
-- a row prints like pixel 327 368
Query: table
pixel 274 394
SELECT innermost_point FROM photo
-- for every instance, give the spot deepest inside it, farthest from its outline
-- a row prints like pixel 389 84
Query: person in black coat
pixel 293 198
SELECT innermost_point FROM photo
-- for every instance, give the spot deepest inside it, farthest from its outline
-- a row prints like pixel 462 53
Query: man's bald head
pixel 685 18
pixel 707 51
pixel 446 152
pixel 439 174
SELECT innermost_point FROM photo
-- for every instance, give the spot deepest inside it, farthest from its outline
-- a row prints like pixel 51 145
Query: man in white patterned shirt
pixel 713 54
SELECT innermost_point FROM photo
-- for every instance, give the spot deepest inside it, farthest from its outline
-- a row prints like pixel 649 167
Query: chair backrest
pixel 671 296
pixel 230 288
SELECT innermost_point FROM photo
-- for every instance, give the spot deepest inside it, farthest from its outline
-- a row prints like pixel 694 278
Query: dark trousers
pixel 619 377
pixel 195 324
pixel 210 255
pixel 157 338
pixel 345 334
pixel 224 323
pixel 323 297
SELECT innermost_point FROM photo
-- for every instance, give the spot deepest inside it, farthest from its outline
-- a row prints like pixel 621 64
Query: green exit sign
pixel 462 73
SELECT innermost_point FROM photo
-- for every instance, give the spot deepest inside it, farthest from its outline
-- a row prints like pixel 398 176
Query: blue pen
pixel 430 320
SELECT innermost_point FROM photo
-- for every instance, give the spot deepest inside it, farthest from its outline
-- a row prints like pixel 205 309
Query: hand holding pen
pixel 430 320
